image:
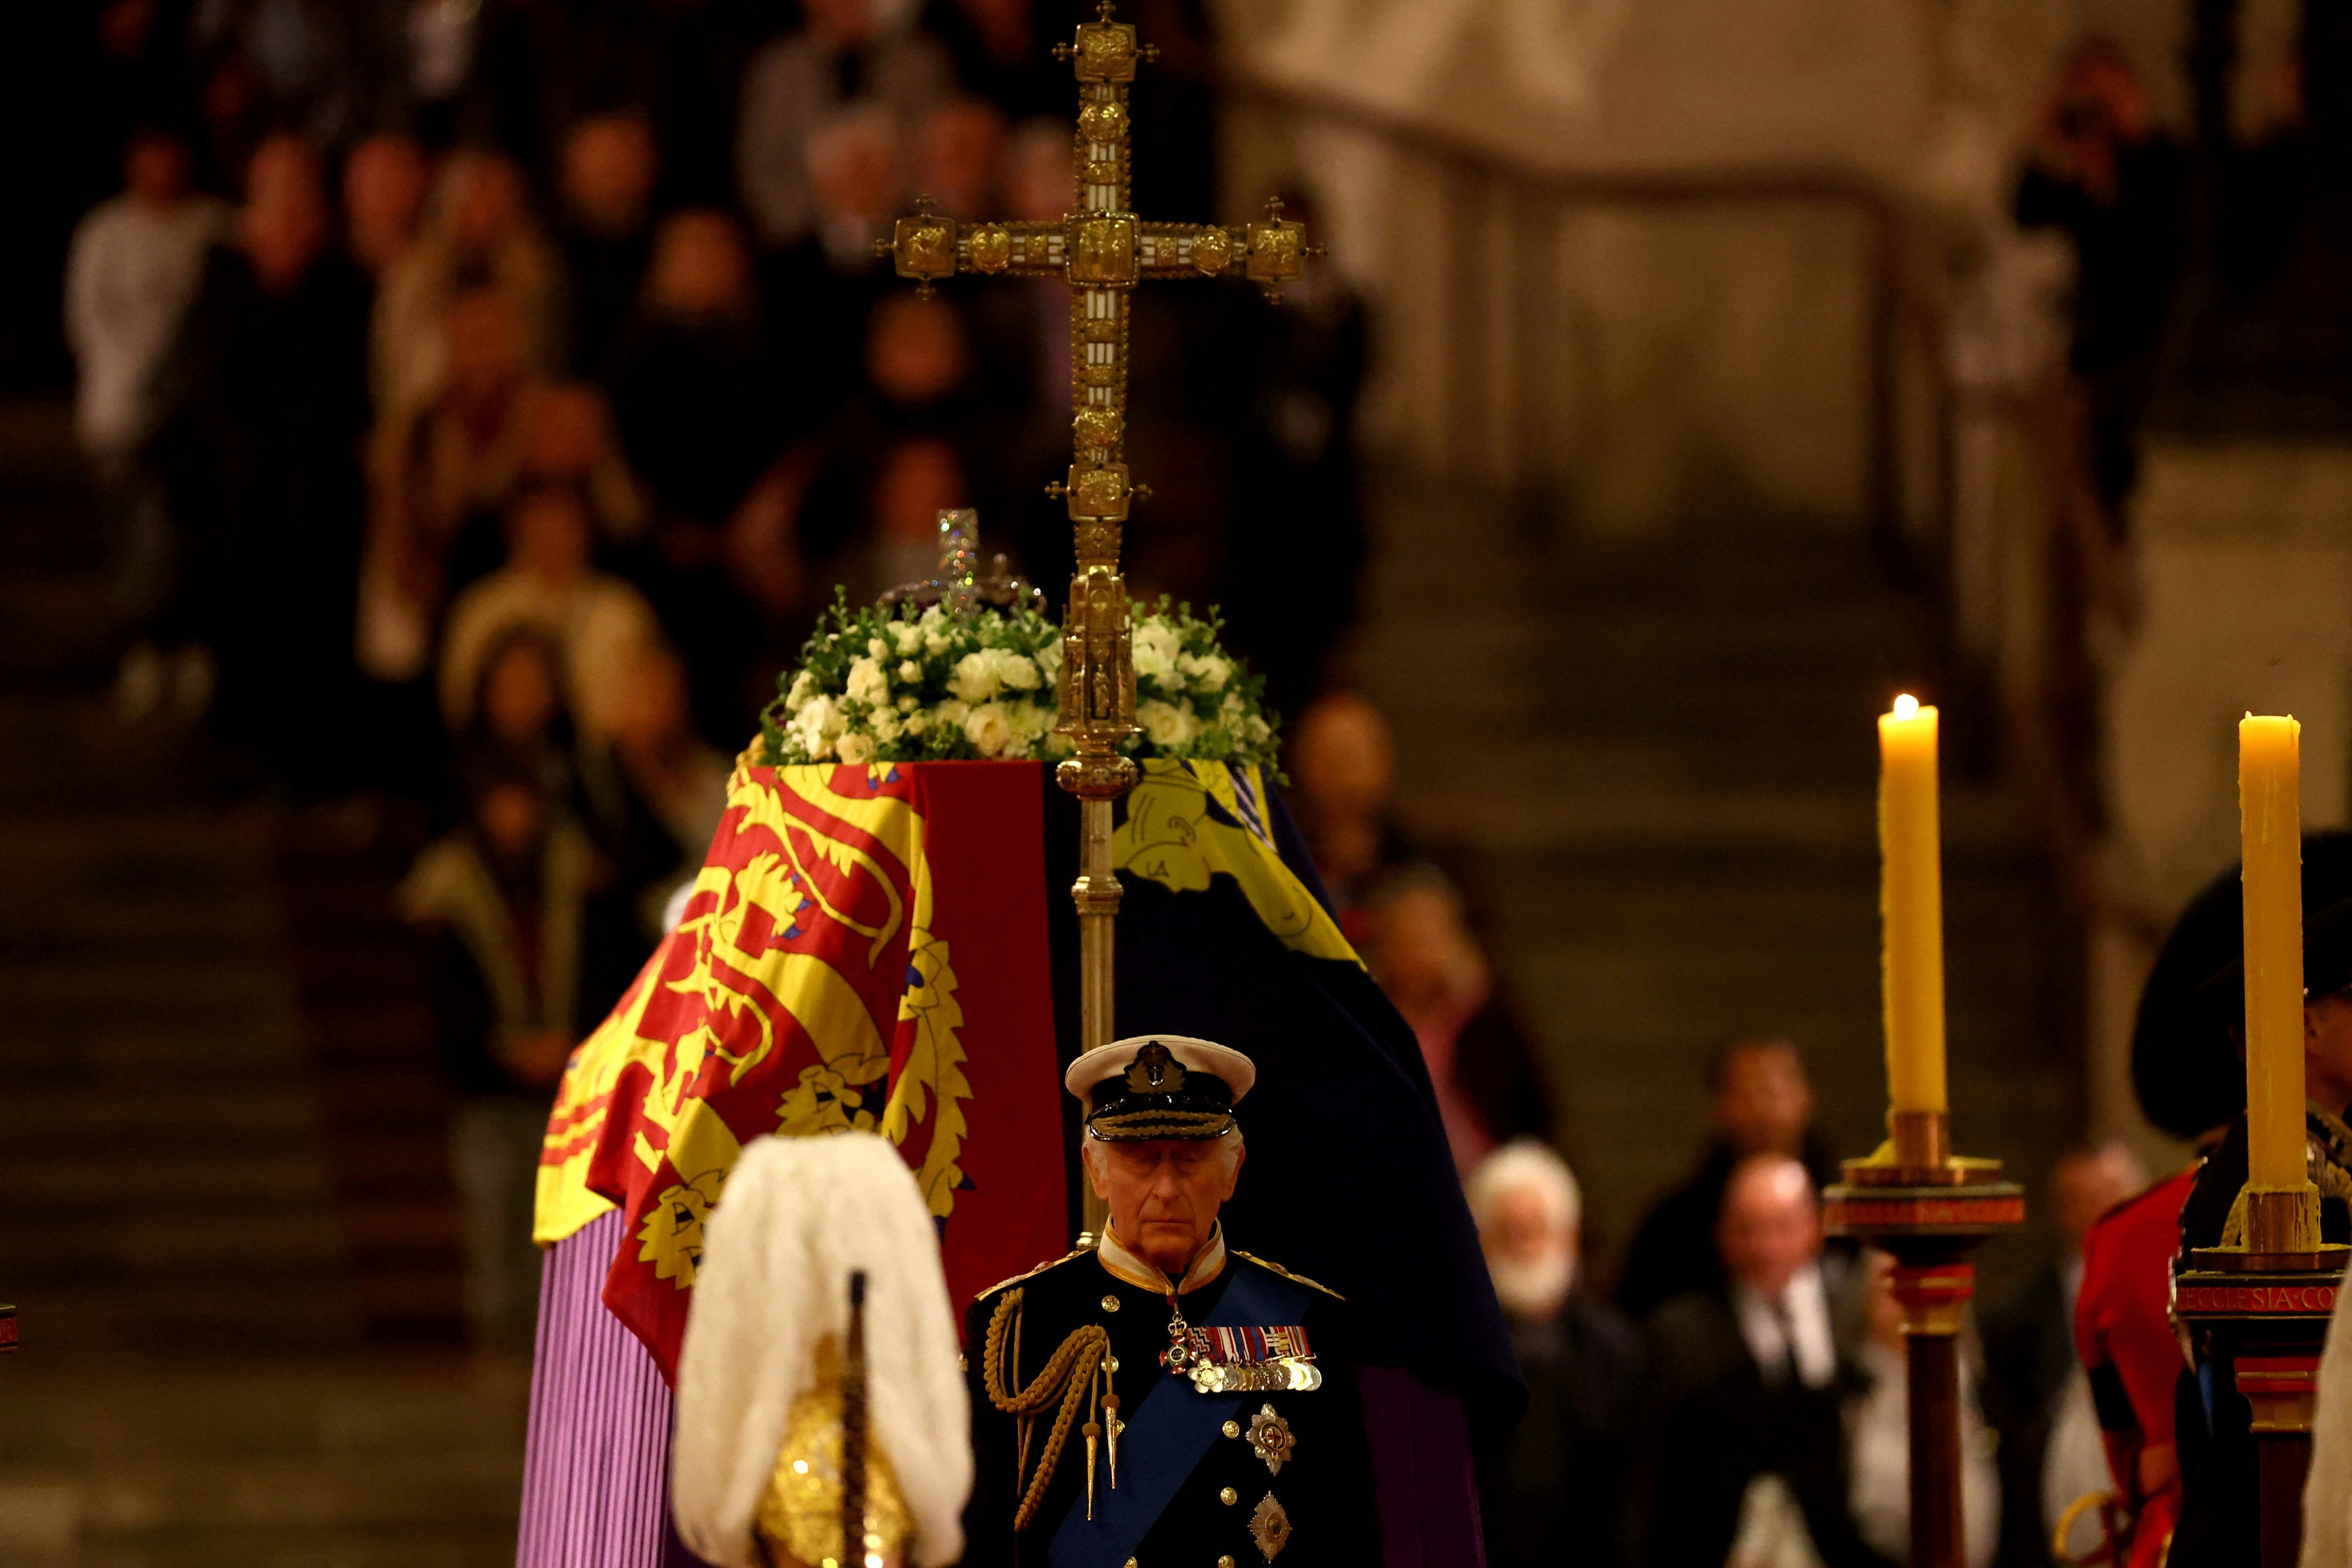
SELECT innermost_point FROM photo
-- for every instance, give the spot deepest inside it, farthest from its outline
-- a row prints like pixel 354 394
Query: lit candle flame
pixel 1906 707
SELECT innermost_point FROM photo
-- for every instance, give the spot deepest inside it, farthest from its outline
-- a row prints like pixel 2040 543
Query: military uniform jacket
pixel 1221 1480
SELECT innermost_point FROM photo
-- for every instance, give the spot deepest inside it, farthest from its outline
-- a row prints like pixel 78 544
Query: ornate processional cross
pixel 1102 250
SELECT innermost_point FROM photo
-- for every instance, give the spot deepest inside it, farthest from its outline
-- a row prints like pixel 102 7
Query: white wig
pixel 1530 1164
pixel 800 1214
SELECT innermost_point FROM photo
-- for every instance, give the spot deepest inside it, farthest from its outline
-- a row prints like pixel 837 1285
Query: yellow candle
pixel 1911 906
pixel 2270 833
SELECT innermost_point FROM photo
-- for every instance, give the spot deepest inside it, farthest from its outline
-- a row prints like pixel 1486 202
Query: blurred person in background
pixel 610 165
pixel 520 954
pixel 519 716
pixel 1003 54
pixel 573 443
pixel 820 290
pixel 1759 1103
pixel 440 478
pixel 701 399
pixel 270 398
pixel 1301 516
pixel 903 441
pixel 478 234
pixel 131 273
pixel 2037 1394
pixel 1878 1434
pixel 599 621
pixel 1341 759
pixel 1555 1492
pixel 654 790
pixel 1489 1091
pixel 385 179
pixel 1745 1434
pixel 2103 172
pixel 961 150
pixel 845 53
pixel 1023 327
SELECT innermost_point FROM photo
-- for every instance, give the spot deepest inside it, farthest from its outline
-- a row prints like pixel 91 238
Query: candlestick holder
pixel 2258 1314
pixel 1928 1208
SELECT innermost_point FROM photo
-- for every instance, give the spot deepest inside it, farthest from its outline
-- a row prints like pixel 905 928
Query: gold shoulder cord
pixel 1067 1376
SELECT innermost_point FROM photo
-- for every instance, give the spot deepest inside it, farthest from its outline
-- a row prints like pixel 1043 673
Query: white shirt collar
pixel 1806 1339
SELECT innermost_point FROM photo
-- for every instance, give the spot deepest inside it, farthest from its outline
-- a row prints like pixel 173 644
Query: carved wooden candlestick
pixel 2261 1312
pixel 1928 1209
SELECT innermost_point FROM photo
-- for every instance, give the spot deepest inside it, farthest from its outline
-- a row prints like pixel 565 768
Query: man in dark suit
pixel 1555 1494
pixel 2049 1451
pixel 1759 1103
pixel 1747 1379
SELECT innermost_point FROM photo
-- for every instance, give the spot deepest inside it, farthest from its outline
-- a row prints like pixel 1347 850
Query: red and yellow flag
pixel 813 985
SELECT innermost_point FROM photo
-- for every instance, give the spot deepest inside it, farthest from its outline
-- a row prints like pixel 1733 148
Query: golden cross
pixel 1102 250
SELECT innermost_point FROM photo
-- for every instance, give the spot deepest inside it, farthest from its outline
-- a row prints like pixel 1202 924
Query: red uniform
pixel 2123 1330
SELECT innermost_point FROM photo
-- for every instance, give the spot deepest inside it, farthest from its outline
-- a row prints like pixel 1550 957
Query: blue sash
pixel 1166 1435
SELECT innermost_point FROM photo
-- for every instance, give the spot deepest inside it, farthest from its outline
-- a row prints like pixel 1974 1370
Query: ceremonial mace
pixel 1914 1199
pixel 1102 250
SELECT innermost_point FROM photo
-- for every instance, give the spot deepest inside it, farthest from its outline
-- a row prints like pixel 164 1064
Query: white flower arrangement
pixel 899 684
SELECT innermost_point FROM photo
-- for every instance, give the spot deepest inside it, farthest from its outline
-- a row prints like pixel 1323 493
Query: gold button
pixel 1232 1428
pixel 1228 1497
pixel 1111 1362
pixel 1110 1303
pixel 1224 1563
pixel 1131 1562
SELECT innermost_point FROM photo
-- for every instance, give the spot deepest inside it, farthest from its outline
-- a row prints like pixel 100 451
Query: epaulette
pixel 1031 1274
pixel 1286 1274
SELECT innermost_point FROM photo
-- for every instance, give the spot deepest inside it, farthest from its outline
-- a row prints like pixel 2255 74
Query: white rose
pixel 816 724
pixel 1156 646
pixel 917 722
pixel 989 729
pixel 1256 731
pixel 1049 662
pixel 975 678
pixel 1168 724
pixel 1206 671
pixel 803 688
pixel 949 712
pixel 877 648
pixel 867 684
pixel 1018 671
pixel 885 726
pixel 906 634
pixel 1029 722
pixel 906 703
pixel 856 748
pixel 910 672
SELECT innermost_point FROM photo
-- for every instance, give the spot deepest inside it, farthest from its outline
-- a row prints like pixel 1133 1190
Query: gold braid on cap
pixel 1067 1374
pixel 1158 1121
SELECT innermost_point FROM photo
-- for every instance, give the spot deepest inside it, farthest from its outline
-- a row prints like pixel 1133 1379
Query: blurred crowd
pixel 485 396
pixel 1736 1396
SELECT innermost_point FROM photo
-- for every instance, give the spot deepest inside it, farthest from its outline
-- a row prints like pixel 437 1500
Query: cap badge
pixel 1155 1071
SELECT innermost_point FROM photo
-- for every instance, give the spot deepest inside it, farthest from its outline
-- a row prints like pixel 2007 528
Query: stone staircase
pixel 198 1386
pixel 1653 762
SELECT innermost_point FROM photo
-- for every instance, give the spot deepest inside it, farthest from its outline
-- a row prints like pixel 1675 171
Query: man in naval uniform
pixel 1161 1399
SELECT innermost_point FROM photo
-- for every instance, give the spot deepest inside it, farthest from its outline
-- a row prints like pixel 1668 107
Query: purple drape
pixel 1420 1461
pixel 595 1483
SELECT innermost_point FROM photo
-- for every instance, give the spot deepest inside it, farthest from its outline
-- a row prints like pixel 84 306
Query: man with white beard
pixel 1555 1493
